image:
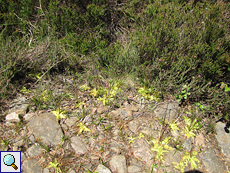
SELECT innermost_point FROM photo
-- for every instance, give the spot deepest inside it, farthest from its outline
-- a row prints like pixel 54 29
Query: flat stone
pixel 134 169
pixel 46 128
pixel 46 170
pixel 71 171
pixel 144 125
pixel 64 127
pixel 31 166
pixel 118 164
pixel 102 169
pixel 32 138
pixel 23 156
pixel 123 113
pixel 211 162
pixel 169 158
pixel 142 151
pixel 34 151
pixel 135 109
pixel 168 109
pixel 135 162
pixel 19 143
pixel 223 138
pixel 13 118
pixel 78 145
pixel 188 144
pixel 19 105
pixel 23 109
pixel 71 121
pixel 133 125
pixel 200 141
pixel 28 116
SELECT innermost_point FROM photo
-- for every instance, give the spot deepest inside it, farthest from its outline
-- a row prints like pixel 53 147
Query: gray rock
pixel 34 151
pixel 15 148
pixel 123 113
pixel 141 150
pixel 135 162
pixel 102 169
pixel 23 156
pixel 145 125
pixel 28 116
pixel 46 128
pixel 223 138
pixel 211 162
pixel 115 150
pixel 64 127
pixel 134 125
pixel 168 109
pixel 171 157
pixel 71 121
pixel 46 170
pixel 19 143
pixel 118 164
pixel 78 145
pixel 23 132
pixel 188 144
pixel 134 169
pixel 71 171
pixel 13 118
pixel 116 133
pixel 19 106
pixel 133 108
pixel 32 138
pixel 200 141
pixel 31 166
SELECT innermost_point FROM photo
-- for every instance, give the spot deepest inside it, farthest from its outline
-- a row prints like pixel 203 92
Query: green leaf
pixel 84 87
pixel 140 136
pixel 180 166
pixel 79 104
pixel 58 114
pixel 191 157
pixel 131 139
pixel 94 92
pixel 55 166
pixel 24 90
pixel 173 127
pixel 226 89
pixel 82 128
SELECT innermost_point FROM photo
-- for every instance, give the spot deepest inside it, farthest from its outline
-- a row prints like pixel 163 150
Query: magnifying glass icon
pixel 9 160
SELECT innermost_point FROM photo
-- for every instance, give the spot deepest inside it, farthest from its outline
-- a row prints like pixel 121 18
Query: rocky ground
pixel 105 139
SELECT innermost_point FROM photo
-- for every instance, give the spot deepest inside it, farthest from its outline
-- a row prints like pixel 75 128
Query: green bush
pixel 170 30
pixel 119 59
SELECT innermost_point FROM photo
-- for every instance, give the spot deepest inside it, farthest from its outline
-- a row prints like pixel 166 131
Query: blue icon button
pixel 10 161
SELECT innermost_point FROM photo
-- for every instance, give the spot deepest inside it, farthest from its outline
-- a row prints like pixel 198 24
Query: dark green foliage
pixel 171 30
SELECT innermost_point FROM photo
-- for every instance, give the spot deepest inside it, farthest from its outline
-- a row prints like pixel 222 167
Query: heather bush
pixel 170 31
pixel 184 44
